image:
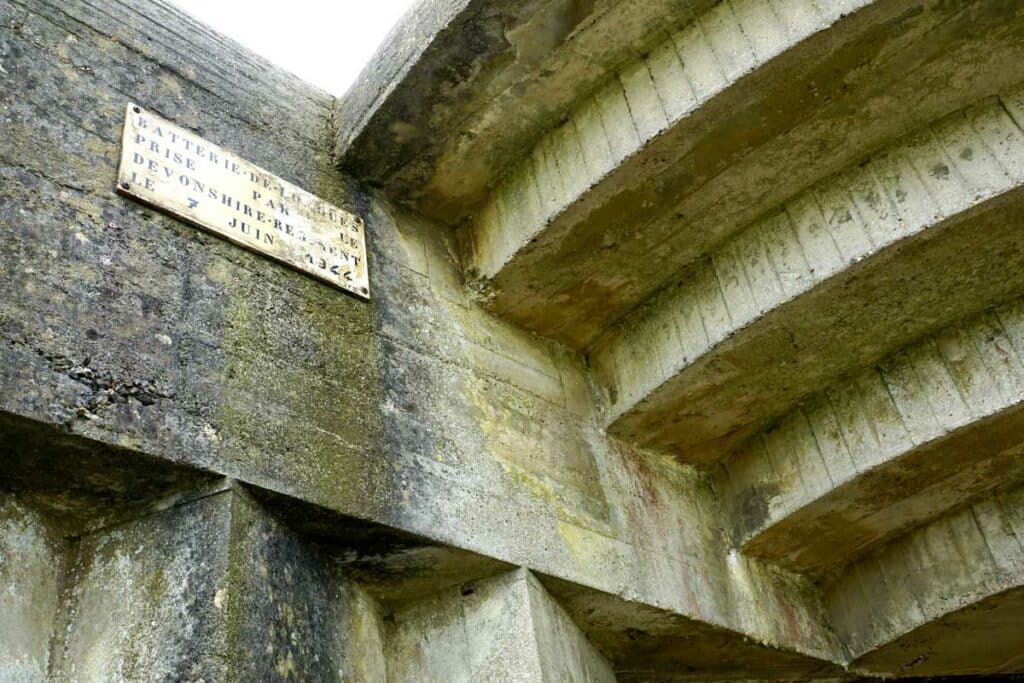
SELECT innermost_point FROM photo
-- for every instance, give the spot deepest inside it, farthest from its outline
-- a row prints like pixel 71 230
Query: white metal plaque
pixel 174 169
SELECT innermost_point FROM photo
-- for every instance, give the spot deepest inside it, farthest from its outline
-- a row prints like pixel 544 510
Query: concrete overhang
pixel 592 149
pixel 462 89
pixel 730 116
pixel 924 431
pixel 852 269
pixel 945 600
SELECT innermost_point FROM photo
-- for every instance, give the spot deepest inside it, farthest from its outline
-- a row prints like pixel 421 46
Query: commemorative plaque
pixel 173 169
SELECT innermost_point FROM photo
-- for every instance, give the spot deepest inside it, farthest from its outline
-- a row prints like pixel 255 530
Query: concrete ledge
pixel 855 267
pixel 943 600
pixel 646 643
pixel 745 107
pixel 925 431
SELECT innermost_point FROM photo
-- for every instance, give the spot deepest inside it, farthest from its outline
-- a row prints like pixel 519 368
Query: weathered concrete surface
pixel 294 613
pixel 30 572
pixel 635 537
pixel 925 431
pixel 393 450
pixel 181 344
pixel 148 599
pixel 732 115
pixel 943 600
pixel 85 484
pixel 563 650
pixel 855 267
pixel 981 641
pixel 461 89
pixel 201 587
pixel 502 629
pixel 646 643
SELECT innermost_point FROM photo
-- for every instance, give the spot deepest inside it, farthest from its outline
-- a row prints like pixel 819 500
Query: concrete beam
pixel 737 112
pixel 278 559
pixel 505 628
pixel 461 89
pixel 859 265
pixel 926 430
pixel 944 600
pixel 646 643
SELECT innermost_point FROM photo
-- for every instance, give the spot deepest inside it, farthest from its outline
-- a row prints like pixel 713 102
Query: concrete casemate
pixel 693 347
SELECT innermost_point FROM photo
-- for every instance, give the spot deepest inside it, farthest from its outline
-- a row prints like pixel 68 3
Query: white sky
pixel 325 42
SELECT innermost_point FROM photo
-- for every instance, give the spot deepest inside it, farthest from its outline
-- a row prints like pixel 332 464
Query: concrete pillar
pixel 211 589
pixel 148 598
pixel 30 564
pixel 506 628
pixel 293 615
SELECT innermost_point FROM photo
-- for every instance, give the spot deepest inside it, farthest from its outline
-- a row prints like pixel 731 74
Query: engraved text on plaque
pixel 173 169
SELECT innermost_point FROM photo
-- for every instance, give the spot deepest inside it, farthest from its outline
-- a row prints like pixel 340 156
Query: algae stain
pixel 580 548
pixel 156 586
